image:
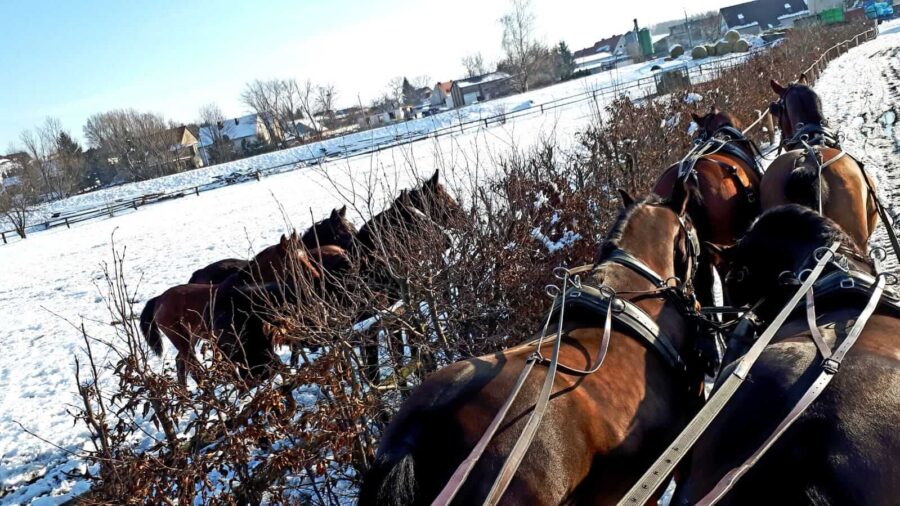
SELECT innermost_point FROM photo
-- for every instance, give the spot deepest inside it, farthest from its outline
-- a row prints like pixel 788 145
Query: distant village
pixel 127 145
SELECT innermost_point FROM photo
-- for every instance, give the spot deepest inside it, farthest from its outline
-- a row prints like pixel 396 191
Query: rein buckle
pixel 831 366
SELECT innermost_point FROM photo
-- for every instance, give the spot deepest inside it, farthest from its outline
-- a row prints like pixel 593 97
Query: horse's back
pixel 217 272
pixel 845 190
pixel 840 451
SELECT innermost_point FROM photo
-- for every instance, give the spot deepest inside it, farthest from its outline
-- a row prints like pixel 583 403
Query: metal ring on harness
pixel 889 278
pixel 560 272
pixel 804 275
pixel 878 253
pixel 788 278
pixel 552 291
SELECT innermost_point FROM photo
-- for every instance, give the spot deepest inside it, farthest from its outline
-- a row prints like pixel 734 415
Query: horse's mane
pixel 617 230
pixel 800 223
pixel 731 120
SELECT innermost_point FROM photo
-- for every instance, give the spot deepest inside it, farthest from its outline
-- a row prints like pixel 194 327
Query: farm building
pixel 481 88
pixel 761 15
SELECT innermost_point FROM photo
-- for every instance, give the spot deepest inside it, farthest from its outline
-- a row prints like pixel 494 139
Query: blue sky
pixel 70 59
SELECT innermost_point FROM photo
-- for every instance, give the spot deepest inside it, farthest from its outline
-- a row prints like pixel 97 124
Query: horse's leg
pixel 369 345
pixel 181 369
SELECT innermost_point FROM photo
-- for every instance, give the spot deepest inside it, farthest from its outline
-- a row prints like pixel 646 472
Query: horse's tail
pixel 803 186
pixel 149 327
pixel 391 480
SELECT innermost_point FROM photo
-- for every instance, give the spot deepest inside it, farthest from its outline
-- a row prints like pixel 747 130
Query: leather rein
pixel 602 300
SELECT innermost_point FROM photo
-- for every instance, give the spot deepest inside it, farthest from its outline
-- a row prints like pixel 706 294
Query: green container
pixel 832 16
pixel 645 41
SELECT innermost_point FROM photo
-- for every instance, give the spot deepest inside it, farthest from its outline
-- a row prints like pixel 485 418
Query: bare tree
pixel 140 143
pixel 262 97
pixel 18 197
pixel 474 65
pixel 524 55
pixel 326 95
pixel 395 89
pixel 215 134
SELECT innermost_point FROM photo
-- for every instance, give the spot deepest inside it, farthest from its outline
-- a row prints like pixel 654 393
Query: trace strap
pixel 830 367
pixel 641 492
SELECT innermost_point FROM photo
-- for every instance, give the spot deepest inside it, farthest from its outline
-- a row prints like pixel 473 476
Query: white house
pixel 239 131
pixel 441 95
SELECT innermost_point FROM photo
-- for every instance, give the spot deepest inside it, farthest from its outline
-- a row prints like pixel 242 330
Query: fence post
pixel 542 108
pixel 257 175
pixel 67 222
pixel 4 237
pixel 134 204
pixel 197 190
pixel 485 123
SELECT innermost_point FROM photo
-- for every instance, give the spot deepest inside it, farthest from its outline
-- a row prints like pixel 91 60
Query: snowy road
pixel 50 277
pixel 861 97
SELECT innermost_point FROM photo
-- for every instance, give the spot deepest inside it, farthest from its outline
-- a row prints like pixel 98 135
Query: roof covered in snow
pixel 607 45
pixel 237 128
pixel 482 79
pixel 764 12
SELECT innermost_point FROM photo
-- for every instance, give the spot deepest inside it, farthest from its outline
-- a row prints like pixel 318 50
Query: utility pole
pixel 687 26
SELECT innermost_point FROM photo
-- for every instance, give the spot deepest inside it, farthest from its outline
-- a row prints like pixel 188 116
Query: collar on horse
pixel 812 134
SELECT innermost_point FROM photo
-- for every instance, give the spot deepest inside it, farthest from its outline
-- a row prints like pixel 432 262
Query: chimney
pixel 636 30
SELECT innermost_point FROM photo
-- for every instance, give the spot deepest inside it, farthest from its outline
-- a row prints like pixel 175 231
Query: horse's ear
pixel 627 199
pixel 802 79
pixel 335 215
pixel 283 241
pixel 342 212
pixel 696 118
pixel 433 182
pixel 714 109
pixel 777 87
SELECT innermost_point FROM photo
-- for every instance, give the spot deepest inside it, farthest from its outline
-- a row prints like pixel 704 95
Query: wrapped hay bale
pixel 676 51
pixel 732 36
pixel 711 50
pixel 699 52
pixel 741 46
pixel 723 48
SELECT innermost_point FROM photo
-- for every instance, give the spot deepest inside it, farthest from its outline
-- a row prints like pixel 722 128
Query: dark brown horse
pixel 406 228
pixel 600 430
pixel 334 230
pixel 182 312
pixel 725 181
pixel 843 449
pixel 793 177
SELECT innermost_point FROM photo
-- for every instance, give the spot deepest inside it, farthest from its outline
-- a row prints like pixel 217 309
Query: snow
pixel 692 98
pixel 483 79
pixel 237 128
pixel 47 281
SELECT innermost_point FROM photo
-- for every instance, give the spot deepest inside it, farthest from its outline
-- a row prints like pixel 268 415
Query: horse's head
pixel 712 121
pixel 779 245
pixel 335 230
pixel 433 199
pixel 659 233
pixel 289 255
pixel 797 105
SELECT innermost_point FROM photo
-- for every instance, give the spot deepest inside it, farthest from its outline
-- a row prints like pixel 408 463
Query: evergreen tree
pixel 409 93
pixel 565 62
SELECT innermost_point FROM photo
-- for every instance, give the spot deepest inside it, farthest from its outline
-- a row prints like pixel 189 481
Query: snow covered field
pixel 47 281
pixel 569 103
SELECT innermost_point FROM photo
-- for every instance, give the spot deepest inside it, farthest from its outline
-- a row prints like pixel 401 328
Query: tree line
pixel 125 145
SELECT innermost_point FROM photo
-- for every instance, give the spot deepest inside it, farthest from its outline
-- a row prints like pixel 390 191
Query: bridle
pixel 804 134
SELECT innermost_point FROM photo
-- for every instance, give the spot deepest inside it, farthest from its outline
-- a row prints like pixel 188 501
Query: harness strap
pixel 622 257
pixel 882 213
pixel 830 367
pixel 813 327
pixel 641 492
pixel 514 459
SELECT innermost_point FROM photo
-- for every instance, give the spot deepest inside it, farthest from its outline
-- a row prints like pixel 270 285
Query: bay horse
pixel 400 231
pixel 723 178
pixel 843 448
pixel 333 230
pixel 183 312
pixel 846 190
pixel 600 430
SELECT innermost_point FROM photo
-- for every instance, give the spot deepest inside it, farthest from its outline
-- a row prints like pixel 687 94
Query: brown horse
pixel 334 230
pixel 398 232
pixel 182 312
pixel 600 430
pixel 843 449
pixel 725 181
pixel 793 177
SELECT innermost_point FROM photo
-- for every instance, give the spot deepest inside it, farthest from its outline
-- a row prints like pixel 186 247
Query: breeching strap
pixel 641 492
pixel 830 367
